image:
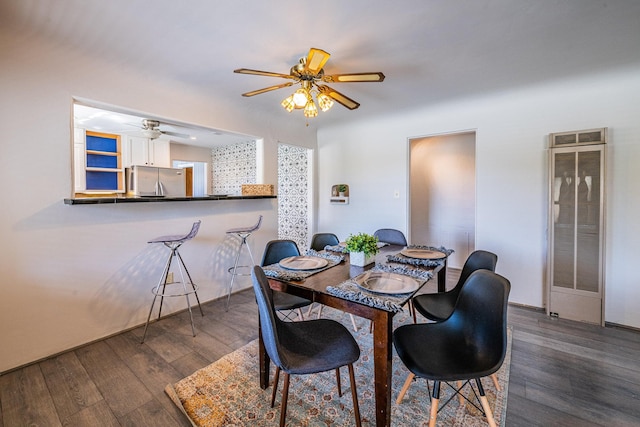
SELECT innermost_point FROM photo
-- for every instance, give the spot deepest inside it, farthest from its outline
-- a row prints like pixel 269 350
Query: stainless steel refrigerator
pixel 149 181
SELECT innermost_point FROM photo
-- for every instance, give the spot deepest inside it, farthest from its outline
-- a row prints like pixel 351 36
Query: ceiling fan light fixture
pixel 324 102
pixel 288 103
pixel 310 110
pixel 301 97
pixel 151 133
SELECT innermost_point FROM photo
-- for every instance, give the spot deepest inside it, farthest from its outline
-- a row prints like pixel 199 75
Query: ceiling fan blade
pixel 176 134
pixel 354 77
pixel 338 97
pixel 263 73
pixel 267 89
pixel 316 60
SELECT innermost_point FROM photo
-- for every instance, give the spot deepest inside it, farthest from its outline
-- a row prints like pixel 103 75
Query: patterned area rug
pixel 226 393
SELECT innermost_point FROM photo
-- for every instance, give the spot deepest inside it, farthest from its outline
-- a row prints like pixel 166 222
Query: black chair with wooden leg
pixel 305 347
pixel 274 252
pixel 469 345
pixel 321 240
pixel 391 236
pixel 439 306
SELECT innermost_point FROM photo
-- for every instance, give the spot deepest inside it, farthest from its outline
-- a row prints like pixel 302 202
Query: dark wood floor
pixel 562 373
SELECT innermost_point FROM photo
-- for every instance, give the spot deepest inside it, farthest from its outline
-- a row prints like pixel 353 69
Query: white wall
pixel 74 274
pixel 511 168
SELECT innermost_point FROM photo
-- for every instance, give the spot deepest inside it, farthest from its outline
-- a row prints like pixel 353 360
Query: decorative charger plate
pixel 303 263
pixel 423 253
pixel 388 283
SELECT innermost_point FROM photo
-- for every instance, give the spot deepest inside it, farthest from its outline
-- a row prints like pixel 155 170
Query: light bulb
pixel 300 98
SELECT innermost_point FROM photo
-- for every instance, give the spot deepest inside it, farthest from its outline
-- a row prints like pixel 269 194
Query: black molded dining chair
pixel 305 347
pixel 318 242
pixel 439 306
pixel 391 236
pixel 468 345
pixel 274 252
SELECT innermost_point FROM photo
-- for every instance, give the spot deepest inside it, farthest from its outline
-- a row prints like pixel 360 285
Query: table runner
pixel 277 272
pixel 350 290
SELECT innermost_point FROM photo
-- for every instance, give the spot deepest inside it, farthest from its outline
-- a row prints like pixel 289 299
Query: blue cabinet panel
pixel 98 143
pixel 102 180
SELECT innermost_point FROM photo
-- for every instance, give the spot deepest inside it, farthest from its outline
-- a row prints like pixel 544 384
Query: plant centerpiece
pixel 362 249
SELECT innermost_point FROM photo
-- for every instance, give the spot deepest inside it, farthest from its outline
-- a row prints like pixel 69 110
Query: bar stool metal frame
pixel 243 233
pixel 174 242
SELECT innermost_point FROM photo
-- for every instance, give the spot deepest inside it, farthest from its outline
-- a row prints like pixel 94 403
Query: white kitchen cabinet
pixel 79 161
pixel 147 152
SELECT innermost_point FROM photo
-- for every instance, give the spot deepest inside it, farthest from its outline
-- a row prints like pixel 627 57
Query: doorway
pixel 442 193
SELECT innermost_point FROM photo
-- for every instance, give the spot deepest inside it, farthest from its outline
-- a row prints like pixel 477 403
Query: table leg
pixel 442 278
pixel 382 354
pixel 264 359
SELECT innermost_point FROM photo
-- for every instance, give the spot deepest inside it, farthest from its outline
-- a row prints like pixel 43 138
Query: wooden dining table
pixel 314 288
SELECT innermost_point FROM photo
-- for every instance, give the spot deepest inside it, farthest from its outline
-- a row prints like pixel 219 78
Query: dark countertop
pixel 105 200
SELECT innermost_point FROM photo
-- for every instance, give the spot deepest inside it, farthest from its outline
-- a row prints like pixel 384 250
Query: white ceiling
pixel 431 51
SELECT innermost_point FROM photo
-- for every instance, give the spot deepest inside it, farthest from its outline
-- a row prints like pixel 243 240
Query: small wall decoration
pixel 340 194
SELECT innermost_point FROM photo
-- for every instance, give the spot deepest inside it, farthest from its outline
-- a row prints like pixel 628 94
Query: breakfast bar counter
pixel 111 200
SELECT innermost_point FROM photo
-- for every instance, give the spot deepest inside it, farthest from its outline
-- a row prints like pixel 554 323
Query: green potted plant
pixel 342 189
pixel 362 249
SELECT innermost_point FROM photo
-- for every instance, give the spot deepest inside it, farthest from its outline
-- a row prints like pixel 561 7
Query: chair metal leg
pixel 233 272
pixel 163 282
pixel 193 286
pixel 338 382
pixel 186 295
pixel 234 269
pixel 173 247
pixel 354 395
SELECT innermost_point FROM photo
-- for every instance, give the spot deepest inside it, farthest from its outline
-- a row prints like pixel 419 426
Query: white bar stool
pixel 243 233
pixel 173 243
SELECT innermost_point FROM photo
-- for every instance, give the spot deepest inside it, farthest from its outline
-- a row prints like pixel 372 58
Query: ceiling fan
pixel 151 129
pixel 309 72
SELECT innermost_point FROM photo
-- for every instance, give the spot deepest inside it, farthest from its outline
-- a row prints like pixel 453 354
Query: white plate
pixel 303 263
pixel 423 254
pixel 388 283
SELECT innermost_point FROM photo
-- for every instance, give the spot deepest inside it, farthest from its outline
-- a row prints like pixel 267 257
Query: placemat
pixel 277 272
pixel 421 262
pixel 350 290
